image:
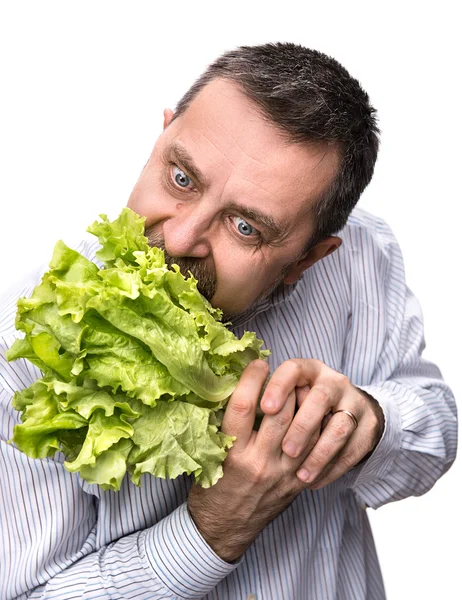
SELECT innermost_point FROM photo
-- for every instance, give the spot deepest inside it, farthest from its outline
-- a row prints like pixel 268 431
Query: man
pixel 253 176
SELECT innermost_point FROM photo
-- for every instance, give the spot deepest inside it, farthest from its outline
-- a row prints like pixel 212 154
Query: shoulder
pixel 369 252
pixel 368 259
pixel 369 234
pixel 371 255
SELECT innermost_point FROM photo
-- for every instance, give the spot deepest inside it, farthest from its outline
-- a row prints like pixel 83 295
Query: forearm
pixel 168 560
pixel 418 444
pixel 420 435
pixel 52 531
pixel 119 570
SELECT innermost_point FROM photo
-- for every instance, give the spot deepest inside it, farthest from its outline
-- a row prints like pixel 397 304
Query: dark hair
pixel 310 97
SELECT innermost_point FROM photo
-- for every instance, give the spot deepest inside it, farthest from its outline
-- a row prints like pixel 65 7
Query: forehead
pixel 247 157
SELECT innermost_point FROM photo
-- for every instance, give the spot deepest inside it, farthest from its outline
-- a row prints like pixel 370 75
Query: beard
pixel 206 275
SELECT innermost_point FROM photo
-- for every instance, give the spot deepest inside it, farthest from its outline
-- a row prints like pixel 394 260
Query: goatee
pixel 204 273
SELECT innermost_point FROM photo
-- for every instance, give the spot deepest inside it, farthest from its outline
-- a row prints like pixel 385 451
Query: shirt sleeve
pixel 419 441
pixel 150 565
pixel 49 522
pixel 49 530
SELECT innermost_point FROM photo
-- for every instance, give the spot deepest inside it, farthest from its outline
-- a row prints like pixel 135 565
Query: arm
pixel 52 526
pixel 380 458
pixel 49 526
pixel 420 437
pixel 382 367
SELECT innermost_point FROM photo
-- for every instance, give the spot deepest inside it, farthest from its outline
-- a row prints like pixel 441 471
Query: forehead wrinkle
pixel 220 151
pixel 260 187
pixel 280 229
pixel 230 92
pixel 229 134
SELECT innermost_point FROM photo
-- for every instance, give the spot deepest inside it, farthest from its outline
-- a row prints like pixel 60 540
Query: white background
pixel 83 86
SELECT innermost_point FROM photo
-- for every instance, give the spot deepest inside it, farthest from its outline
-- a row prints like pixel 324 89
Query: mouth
pixel 203 272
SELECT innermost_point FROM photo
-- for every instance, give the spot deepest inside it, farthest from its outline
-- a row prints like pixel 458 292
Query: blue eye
pixel 243 227
pixel 180 177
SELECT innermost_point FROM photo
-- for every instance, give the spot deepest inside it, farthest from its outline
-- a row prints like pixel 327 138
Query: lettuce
pixel 137 366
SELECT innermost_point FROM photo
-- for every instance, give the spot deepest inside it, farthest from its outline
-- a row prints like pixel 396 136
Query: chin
pixel 229 311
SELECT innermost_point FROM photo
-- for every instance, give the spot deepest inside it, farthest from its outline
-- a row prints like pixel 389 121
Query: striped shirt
pixel 63 539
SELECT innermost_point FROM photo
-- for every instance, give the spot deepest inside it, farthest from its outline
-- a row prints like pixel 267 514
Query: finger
pixel 273 428
pixel 295 463
pixel 301 394
pixel 241 408
pixel 310 417
pixel 352 454
pixel 289 375
pixel 332 441
pixel 326 420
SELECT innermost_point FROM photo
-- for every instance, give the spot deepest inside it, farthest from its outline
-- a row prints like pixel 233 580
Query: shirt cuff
pixel 181 558
pixel 386 450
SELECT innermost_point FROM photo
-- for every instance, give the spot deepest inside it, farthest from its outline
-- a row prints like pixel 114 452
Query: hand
pixel 320 392
pixel 259 480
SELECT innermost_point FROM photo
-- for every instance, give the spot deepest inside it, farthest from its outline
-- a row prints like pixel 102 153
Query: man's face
pixel 226 192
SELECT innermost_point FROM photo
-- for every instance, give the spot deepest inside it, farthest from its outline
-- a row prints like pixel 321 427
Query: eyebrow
pixel 276 231
pixel 178 152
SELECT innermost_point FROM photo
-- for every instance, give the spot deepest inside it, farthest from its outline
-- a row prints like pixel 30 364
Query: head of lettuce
pixel 137 365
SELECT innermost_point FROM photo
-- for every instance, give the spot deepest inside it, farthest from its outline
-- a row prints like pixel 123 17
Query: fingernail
pixel 269 404
pixel 290 449
pixel 303 475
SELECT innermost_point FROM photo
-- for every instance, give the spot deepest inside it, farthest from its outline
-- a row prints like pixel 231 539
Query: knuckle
pixel 294 365
pixel 286 493
pixel 258 473
pixel 277 384
pixel 320 395
pixel 323 451
pixel 282 419
pixel 318 363
pixel 339 429
pixel 231 461
pixel 301 425
pixel 241 407
pixel 259 364
pixel 345 462
pixel 319 456
pixel 342 380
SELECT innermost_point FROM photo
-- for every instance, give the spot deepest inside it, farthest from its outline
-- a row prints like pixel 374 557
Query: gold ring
pixel 350 414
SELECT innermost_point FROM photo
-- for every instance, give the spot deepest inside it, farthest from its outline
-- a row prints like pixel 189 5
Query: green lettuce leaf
pixel 137 365
pixel 177 437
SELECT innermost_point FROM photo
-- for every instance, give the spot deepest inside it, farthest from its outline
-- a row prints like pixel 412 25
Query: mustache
pixel 204 273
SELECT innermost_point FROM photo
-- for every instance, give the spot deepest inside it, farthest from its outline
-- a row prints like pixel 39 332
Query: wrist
pixel 380 421
pixel 180 558
pixel 229 539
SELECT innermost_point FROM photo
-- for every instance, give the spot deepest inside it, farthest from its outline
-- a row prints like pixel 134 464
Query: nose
pixel 187 233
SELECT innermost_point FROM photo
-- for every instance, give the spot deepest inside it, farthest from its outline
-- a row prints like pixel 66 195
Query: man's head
pixel 261 163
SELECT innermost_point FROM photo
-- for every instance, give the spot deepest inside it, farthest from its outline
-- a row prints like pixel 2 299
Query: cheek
pixel 240 280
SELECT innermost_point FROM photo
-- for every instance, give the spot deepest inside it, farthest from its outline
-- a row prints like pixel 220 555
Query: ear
pixel 168 116
pixel 321 250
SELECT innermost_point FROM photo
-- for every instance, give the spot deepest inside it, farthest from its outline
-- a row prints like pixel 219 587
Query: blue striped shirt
pixel 63 539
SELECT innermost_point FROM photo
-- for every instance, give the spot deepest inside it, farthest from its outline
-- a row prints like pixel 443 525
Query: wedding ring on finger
pixel 350 414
